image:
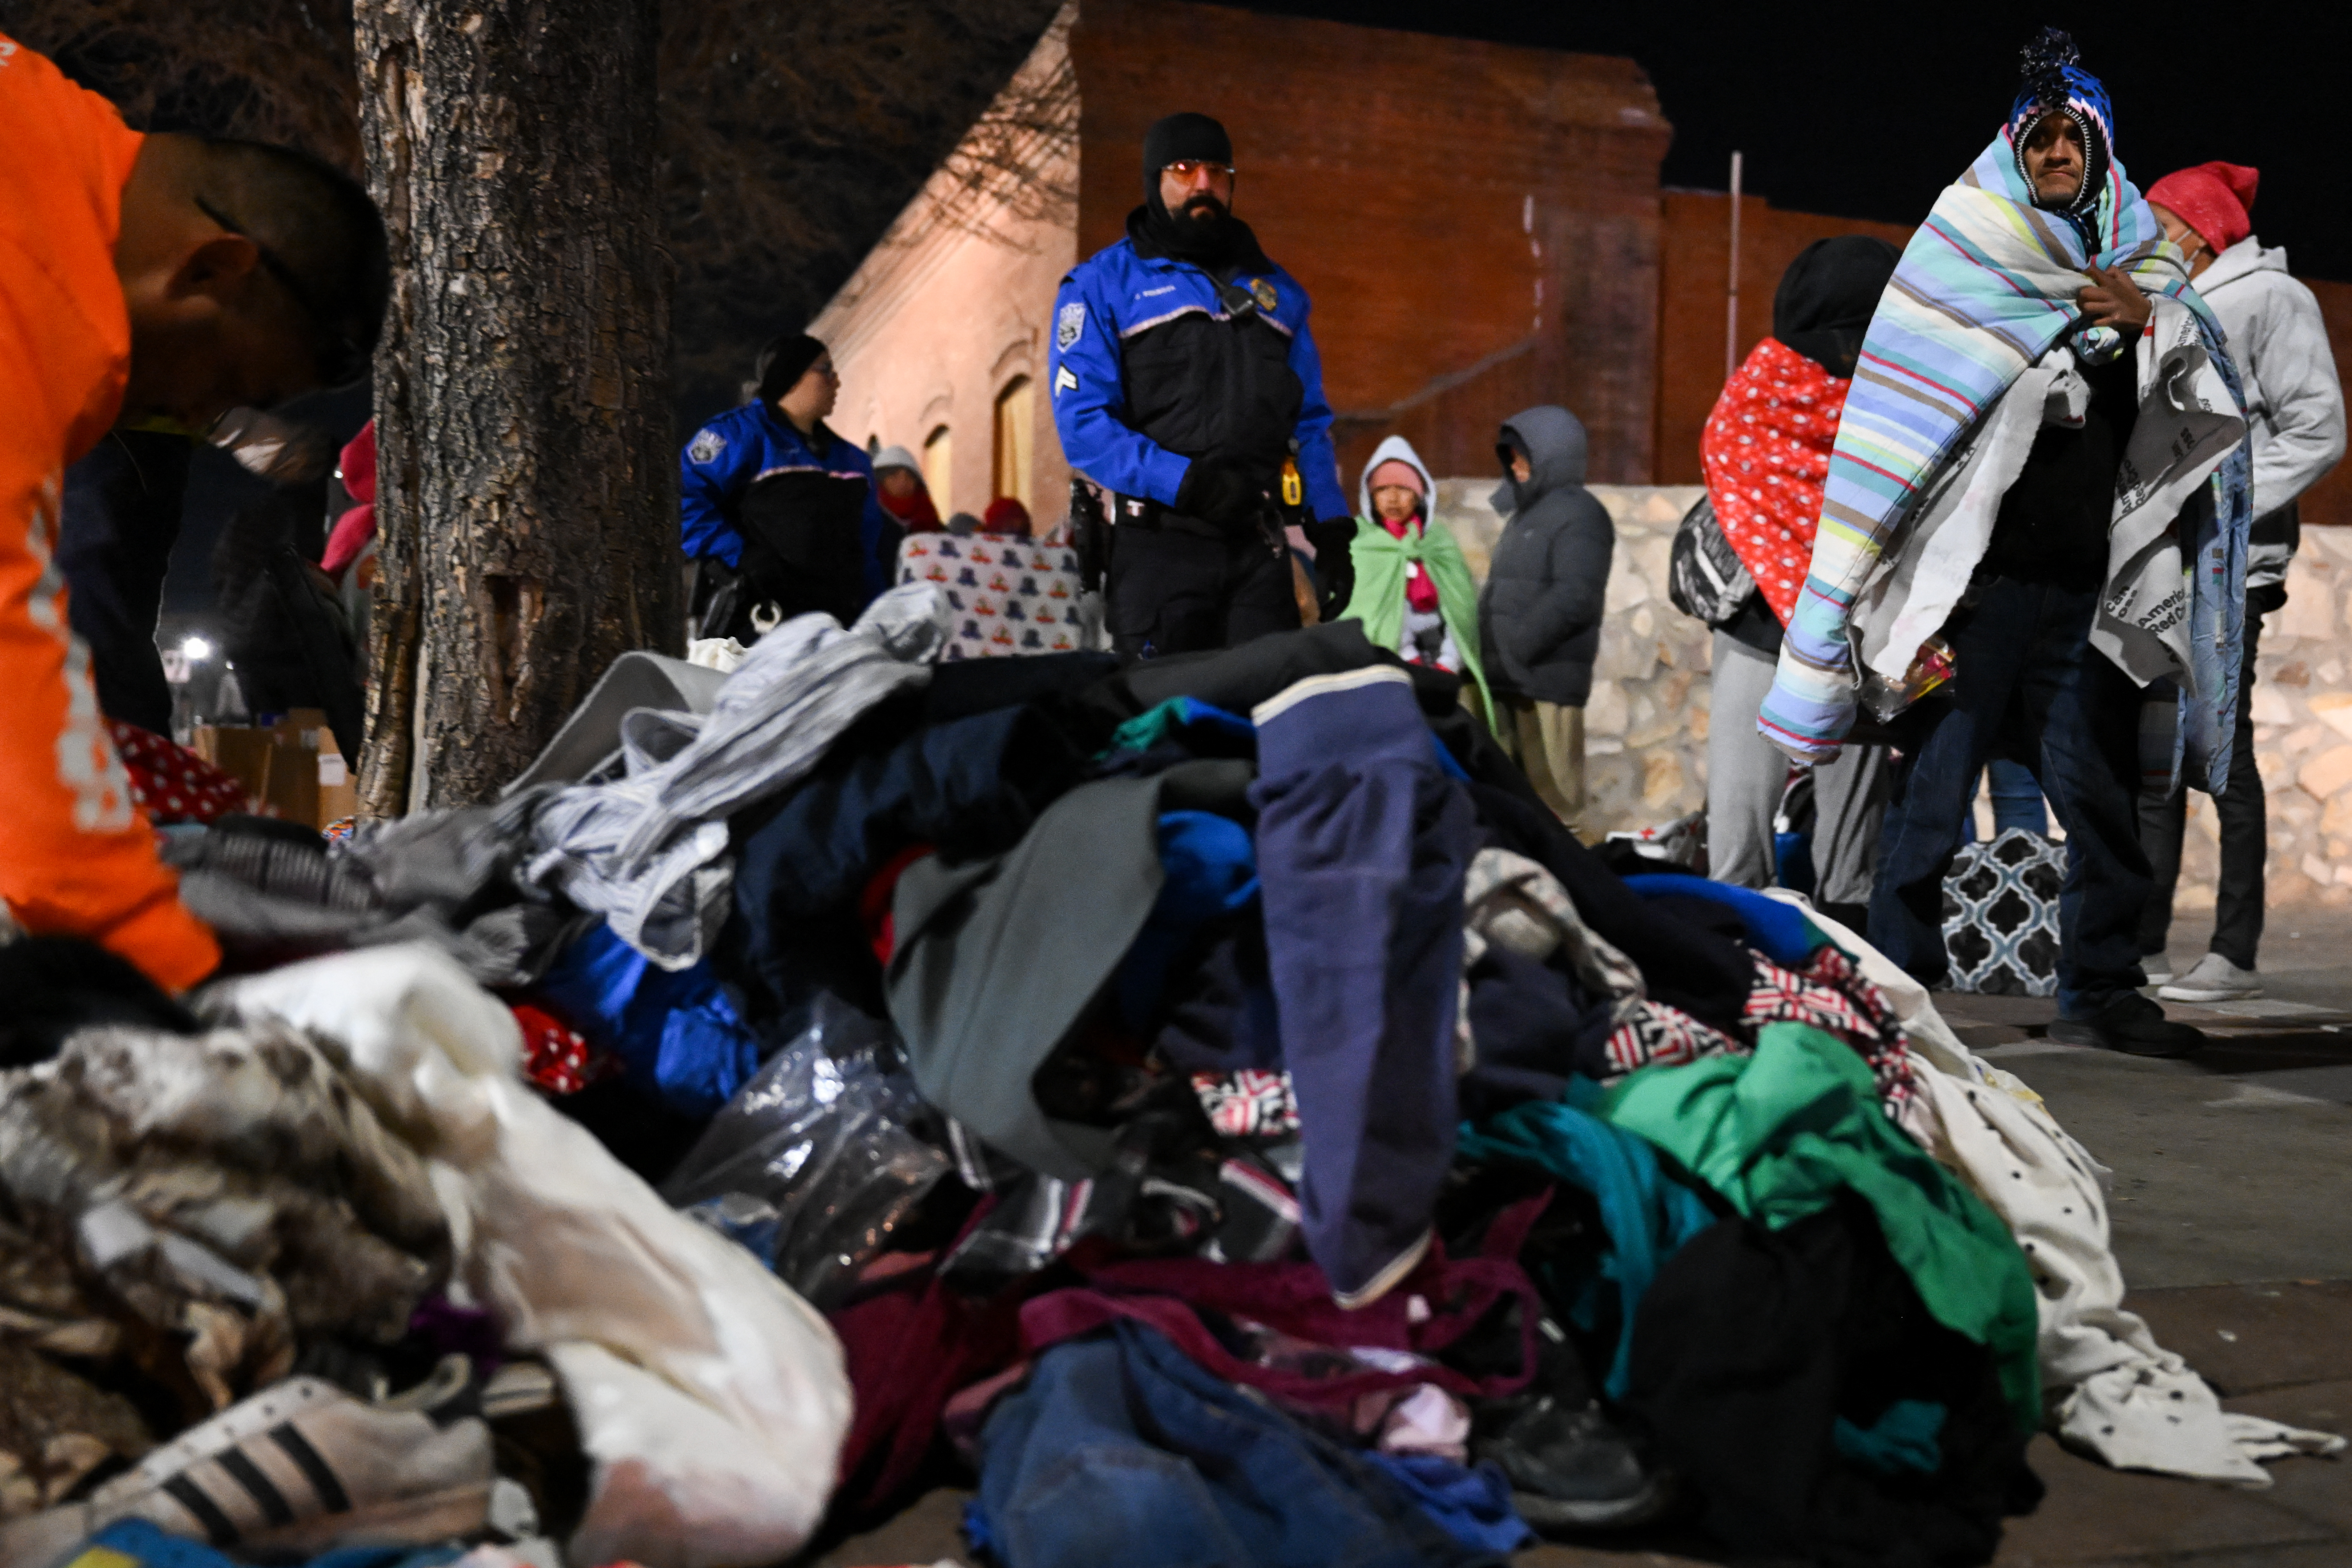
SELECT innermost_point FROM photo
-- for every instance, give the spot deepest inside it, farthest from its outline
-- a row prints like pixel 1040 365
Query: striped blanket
pixel 1984 293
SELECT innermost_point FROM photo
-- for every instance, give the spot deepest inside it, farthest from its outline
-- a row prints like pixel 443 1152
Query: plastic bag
pixel 1882 699
pixel 821 1143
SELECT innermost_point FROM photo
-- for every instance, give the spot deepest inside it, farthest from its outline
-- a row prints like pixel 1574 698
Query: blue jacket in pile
pixel 1151 369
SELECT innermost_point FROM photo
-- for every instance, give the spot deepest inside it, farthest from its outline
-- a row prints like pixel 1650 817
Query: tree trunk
pixel 526 499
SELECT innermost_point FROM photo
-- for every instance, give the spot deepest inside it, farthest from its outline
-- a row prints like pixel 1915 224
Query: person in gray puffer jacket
pixel 1539 615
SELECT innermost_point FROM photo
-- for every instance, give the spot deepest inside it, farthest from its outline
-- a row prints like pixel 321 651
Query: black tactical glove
pixel 1335 563
pixel 1225 491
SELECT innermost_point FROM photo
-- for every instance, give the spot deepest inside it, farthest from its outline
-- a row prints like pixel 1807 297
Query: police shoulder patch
pixel 706 444
pixel 1069 324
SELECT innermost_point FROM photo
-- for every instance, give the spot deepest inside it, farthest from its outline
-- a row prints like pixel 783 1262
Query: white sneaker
pixel 2213 978
pixel 2159 971
pixel 299 1467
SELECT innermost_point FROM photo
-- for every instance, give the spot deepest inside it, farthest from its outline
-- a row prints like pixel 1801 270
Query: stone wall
pixel 2303 737
pixel 1647 724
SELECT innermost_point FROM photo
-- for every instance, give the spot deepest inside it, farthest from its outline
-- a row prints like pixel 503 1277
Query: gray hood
pixel 1554 439
pixel 2244 260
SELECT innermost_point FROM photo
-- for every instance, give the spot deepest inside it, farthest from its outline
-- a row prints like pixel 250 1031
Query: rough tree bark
pixel 527 480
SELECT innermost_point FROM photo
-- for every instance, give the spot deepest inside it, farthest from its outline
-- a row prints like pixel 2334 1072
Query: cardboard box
pixel 293 766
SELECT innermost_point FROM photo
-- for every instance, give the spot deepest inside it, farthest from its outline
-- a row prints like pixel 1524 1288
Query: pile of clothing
pixel 1211 1107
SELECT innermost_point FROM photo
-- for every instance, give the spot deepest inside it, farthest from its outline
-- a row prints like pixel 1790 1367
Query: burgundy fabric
pixel 348 539
pixel 914 510
pixel 1005 516
pixel 1295 1298
pixel 452 1329
pixel 2217 200
pixel 352 531
pixel 873 903
pixel 907 1352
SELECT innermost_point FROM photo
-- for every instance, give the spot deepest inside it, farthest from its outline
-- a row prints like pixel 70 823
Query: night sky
pixel 1865 111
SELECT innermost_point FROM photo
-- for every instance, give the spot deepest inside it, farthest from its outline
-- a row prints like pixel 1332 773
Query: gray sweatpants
pixel 1744 776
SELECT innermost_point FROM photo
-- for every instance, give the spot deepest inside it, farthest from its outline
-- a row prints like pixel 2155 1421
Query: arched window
pixel 939 468
pixel 1017 424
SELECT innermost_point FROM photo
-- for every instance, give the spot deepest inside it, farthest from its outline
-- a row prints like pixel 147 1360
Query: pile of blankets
pixel 863 1071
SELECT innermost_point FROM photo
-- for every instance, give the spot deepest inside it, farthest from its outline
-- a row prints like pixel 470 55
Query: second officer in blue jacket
pixel 777 513
pixel 1183 379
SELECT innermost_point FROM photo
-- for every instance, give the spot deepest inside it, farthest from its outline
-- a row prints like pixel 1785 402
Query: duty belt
pixel 1144 513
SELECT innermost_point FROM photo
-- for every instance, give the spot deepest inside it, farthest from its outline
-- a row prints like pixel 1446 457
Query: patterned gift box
pixel 1005 596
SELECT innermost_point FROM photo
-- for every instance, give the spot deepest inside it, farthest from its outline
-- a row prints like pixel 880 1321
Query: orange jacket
pixel 75 857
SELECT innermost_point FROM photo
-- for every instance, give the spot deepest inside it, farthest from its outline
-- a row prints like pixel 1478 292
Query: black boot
pixel 2134 1024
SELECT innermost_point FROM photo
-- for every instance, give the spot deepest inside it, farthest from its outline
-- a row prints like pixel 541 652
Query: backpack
pixel 1704 577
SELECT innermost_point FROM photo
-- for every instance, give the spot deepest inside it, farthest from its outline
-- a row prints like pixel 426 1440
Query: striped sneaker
pixel 298 1469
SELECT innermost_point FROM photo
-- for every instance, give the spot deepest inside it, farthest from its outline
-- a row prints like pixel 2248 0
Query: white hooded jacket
pixel 2294 403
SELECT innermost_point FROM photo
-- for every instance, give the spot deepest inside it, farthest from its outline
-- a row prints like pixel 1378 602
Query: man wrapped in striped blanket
pixel 1977 342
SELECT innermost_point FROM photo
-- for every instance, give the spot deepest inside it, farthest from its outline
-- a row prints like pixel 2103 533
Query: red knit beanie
pixel 1005 515
pixel 2217 200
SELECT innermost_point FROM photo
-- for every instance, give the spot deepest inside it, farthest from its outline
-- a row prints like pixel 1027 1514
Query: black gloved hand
pixel 1335 562
pixel 1225 491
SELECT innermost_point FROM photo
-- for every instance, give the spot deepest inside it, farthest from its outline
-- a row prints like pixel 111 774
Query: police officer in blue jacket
pixel 777 513
pixel 1184 380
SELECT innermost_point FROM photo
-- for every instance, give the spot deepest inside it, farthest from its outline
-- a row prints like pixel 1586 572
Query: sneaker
pixel 2213 978
pixel 1571 1468
pixel 298 1469
pixel 2133 1025
pixel 2157 968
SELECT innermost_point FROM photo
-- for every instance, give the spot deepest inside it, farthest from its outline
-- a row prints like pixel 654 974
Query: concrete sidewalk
pixel 2232 1220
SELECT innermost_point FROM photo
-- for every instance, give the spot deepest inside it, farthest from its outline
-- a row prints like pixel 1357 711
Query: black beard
pixel 1203 212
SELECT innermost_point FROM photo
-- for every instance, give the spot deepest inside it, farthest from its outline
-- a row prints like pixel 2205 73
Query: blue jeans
pixel 2016 802
pixel 1121 1451
pixel 2024 661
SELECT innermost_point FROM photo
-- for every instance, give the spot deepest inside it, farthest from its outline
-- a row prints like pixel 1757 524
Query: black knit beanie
pixel 1180 137
pixel 782 362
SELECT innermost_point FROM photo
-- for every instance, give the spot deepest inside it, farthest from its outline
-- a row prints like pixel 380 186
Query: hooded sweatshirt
pixel 1385 564
pixel 77 859
pixel 915 510
pixel 2294 403
pixel 1541 614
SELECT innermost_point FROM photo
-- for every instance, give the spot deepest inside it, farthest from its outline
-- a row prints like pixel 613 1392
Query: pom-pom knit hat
pixel 2053 81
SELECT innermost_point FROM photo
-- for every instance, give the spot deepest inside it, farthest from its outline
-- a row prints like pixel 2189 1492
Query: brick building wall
pixel 2329 503
pixel 1477 224
pixel 1694 276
